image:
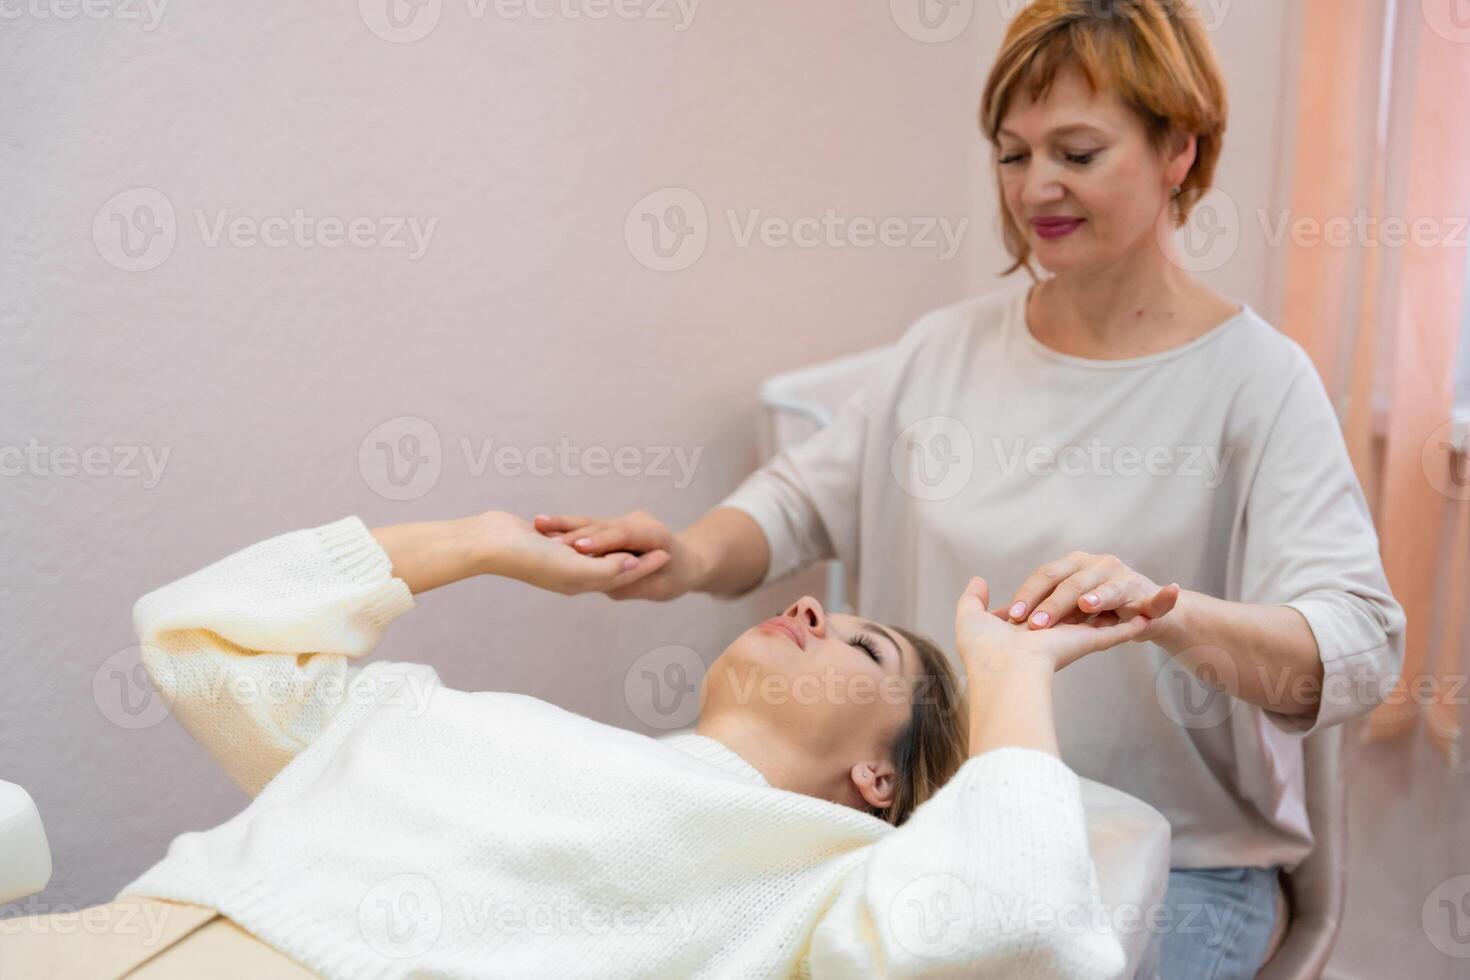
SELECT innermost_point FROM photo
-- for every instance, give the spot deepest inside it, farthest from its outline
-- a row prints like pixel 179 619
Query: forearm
pixel 730 552
pixel 1263 654
pixel 428 554
pixel 1010 704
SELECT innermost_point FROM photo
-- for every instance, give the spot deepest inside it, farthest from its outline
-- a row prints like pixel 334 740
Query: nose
pixel 1039 187
pixel 812 615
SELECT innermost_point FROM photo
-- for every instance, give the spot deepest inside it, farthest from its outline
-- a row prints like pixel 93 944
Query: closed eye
pixel 866 642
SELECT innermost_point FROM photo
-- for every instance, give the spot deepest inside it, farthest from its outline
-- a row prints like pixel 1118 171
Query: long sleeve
pixel 1310 544
pixel 991 877
pixel 252 653
pixel 808 499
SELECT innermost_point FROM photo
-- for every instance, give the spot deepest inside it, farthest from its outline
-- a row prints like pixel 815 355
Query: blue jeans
pixel 1220 923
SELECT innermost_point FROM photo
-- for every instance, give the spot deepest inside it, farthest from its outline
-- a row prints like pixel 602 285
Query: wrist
pixel 695 560
pixel 1172 631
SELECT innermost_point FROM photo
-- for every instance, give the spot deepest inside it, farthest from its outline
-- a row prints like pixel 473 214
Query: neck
pixel 1134 305
pixel 783 765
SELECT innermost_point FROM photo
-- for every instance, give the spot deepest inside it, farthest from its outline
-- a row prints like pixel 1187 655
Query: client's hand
pixel 988 641
pixel 667 566
pixel 514 548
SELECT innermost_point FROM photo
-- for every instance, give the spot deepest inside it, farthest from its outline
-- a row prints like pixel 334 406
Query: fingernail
pixel 1091 599
pixel 582 542
pixel 1040 619
pixel 629 564
pixel 1018 610
pixel 542 517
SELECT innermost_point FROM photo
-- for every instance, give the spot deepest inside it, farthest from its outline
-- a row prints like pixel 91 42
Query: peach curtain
pixel 1383 145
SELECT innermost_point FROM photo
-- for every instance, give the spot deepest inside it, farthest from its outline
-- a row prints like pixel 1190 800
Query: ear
pixel 876 782
pixel 1182 149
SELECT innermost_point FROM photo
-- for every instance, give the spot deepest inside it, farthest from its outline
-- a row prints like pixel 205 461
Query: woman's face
pixel 835 687
pixel 1084 160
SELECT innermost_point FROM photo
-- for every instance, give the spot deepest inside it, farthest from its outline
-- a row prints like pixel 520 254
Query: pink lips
pixel 783 625
pixel 1050 228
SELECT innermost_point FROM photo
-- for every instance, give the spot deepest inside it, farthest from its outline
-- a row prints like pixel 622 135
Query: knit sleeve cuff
pixel 361 560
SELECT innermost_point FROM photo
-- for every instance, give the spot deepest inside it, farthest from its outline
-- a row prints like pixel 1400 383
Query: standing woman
pixel 1087 437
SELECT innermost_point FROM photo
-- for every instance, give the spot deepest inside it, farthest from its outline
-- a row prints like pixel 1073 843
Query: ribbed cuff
pixel 361 560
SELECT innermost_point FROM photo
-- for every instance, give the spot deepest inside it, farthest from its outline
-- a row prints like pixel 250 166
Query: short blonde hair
pixel 1152 53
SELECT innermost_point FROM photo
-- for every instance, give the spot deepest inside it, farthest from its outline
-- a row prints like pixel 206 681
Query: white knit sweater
pixel 401 828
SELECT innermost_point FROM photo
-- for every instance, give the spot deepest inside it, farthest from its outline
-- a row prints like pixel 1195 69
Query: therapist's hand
pixel 667 566
pixel 989 643
pixel 1076 588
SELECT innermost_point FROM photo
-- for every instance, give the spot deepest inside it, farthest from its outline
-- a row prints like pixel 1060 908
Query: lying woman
pixel 899 824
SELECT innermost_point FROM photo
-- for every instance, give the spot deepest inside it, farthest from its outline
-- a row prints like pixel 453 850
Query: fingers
pixel 622 569
pixel 613 537
pixel 644 582
pixel 1161 603
pixel 1040 585
pixel 1063 600
pixel 551 525
pixel 979 590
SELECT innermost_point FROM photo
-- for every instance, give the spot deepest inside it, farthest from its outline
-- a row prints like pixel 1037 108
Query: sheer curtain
pixel 1377 294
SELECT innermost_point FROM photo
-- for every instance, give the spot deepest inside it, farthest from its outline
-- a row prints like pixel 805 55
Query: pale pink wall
pixel 529 319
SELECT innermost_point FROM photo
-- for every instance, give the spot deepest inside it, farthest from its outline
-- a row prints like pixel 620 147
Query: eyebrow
pixel 1062 130
pixel 898 650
